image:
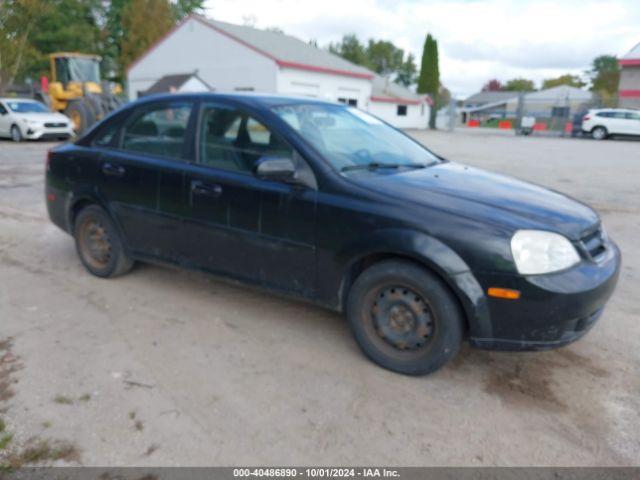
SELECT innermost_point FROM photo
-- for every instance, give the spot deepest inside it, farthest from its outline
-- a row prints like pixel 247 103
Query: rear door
pixel 152 138
pixel 238 224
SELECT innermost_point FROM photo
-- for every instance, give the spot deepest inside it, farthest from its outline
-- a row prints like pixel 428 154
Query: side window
pixel 632 116
pixel 2 109
pixel 160 130
pixel 106 135
pixel 603 114
pixel 233 140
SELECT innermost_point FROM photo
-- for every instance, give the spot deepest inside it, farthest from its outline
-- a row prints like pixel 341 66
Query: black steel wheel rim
pixel 402 318
pixel 95 243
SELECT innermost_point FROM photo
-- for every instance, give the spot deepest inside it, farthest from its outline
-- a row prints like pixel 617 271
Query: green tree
pixel 407 74
pixel 383 57
pixel 184 8
pixel 519 85
pixel 69 26
pixel 138 33
pixel 18 20
pixel 429 79
pixel 350 49
pixel 605 74
pixel 568 79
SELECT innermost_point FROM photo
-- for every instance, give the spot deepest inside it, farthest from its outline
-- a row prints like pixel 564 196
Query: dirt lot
pixel 165 367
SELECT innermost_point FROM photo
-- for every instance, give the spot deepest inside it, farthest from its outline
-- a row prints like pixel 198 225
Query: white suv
pixel 611 121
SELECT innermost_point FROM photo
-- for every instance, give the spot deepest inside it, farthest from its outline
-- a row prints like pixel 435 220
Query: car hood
pixel 484 195
pixel 42 117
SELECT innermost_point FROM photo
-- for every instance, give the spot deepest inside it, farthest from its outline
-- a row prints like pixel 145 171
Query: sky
pixel 477 39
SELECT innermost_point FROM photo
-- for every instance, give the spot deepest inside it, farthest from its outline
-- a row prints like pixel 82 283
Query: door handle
pixel 113 170
pixel 205 189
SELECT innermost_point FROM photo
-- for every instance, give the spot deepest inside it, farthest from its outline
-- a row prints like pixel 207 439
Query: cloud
pixel 478 40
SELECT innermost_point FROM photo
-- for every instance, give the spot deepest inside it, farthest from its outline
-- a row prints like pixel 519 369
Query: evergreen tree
pixel 429 80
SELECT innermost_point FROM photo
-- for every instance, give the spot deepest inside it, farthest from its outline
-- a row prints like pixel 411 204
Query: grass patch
pixel 46 424
pixel 5 440
pixel 85 398
pixel 41 451
pixel 63 400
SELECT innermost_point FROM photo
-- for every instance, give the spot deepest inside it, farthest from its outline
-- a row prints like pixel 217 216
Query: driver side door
pixel 238 224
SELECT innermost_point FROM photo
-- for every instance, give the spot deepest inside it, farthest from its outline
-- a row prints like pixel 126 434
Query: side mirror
pixel 279 169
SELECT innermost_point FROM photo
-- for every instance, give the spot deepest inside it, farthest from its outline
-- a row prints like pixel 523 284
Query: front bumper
pixel 40 132
pixel 553 310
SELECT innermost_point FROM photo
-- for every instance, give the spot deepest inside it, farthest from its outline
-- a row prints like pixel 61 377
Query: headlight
pixel 537 251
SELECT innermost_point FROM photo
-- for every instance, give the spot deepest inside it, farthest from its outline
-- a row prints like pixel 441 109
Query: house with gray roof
pixel 239 58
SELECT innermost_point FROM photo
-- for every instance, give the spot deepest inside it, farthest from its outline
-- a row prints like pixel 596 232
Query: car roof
pixel 248 98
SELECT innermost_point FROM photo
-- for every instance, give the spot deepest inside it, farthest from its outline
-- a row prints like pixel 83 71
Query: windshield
pixel 27 107
pixel 84 70
pixel 351 139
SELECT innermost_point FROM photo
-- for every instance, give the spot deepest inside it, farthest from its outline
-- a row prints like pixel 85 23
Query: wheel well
pixel 76 208
pixel 362 264
pixel 599 126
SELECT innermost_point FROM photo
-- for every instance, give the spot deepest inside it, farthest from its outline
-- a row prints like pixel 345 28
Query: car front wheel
pixel 599 133
pixel 16 134
pixel 98 243
pixel 404 317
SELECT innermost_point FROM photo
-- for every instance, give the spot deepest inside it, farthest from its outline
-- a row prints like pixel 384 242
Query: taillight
pixel 585 118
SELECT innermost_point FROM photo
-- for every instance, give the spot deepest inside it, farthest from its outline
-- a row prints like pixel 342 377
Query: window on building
pixel 233 140
pixel 159 130
pixel 401 111
pixel 353 102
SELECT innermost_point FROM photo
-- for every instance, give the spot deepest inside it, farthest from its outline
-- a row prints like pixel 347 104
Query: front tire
pixel 16 134
pixel 599 133
pixel 404 317
pixel 99 245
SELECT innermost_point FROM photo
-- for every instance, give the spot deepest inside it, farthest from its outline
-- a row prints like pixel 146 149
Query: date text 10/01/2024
pixel 316 472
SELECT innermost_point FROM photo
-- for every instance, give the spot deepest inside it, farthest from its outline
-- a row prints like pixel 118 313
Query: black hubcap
pixel 402 318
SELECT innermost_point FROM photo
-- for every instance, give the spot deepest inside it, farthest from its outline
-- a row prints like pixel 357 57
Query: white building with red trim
pixel 629 88
pixel 231 58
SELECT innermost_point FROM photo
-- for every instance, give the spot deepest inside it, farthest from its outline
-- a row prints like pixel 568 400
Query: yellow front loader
pixel 77 90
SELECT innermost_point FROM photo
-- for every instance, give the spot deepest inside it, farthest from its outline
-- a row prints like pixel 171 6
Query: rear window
pixel 159 130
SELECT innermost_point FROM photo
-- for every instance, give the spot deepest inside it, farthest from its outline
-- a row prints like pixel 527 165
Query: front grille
pixel 55 125
pixel 594 243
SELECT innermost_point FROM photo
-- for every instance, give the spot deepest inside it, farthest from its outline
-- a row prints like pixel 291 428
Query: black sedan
pixel 326 202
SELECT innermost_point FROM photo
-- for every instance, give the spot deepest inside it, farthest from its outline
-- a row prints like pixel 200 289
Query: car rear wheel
pixel 16 134
pixel 404 317
pixel 599 133
pixel 98 243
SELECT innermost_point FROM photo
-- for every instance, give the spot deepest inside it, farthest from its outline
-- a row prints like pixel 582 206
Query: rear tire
pixel 404 317
pixel 16 134
pixel 599 133
pixel 99 245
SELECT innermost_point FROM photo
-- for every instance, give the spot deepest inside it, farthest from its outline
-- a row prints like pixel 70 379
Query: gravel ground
pixel 167 367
